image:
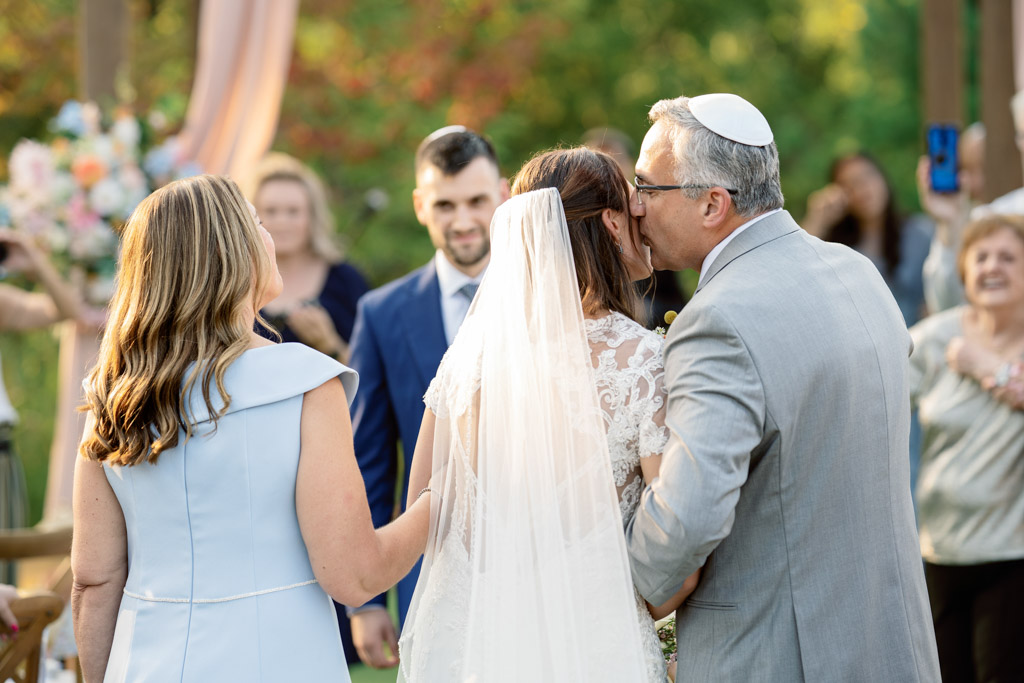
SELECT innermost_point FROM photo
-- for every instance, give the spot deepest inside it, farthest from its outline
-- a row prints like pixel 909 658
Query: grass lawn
pixel 361 673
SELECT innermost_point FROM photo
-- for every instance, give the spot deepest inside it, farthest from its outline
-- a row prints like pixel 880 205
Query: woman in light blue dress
pixel 217 500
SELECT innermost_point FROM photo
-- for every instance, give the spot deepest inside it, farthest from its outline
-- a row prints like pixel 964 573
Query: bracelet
pixel 428 489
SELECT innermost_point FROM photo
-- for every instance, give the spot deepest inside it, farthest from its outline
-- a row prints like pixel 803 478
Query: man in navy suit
pixel 403 329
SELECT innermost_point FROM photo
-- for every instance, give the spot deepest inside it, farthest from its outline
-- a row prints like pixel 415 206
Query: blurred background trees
pixel 370 78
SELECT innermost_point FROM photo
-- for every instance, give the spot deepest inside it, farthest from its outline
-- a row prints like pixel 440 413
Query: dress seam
pixel 192 557
pixel 252 539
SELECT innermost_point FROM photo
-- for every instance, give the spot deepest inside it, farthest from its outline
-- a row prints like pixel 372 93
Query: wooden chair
pixel 20 657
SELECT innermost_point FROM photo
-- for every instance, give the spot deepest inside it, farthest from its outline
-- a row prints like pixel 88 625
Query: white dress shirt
pixel 710 258
pixel 454 304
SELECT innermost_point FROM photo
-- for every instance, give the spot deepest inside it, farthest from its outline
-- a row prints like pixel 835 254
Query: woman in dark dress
pixel 318 304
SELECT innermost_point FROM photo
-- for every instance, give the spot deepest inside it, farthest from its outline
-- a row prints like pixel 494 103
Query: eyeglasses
pixel 642 190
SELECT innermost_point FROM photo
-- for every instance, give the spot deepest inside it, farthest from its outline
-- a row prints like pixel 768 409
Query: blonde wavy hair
pixel 279 166
pixel 192 270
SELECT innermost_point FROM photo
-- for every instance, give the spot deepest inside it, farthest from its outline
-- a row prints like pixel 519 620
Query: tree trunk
pixel 1002 157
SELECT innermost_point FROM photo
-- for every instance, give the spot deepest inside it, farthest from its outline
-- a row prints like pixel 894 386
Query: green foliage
pixel 30 376
pixel 370 78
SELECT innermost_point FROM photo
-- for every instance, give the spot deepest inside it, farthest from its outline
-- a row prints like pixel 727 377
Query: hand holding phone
pixel 943 158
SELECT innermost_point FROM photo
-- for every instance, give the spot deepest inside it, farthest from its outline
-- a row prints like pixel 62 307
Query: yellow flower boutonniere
pixel 669 317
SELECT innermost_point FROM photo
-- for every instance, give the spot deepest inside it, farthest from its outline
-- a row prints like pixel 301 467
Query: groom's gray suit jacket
pixel 787 471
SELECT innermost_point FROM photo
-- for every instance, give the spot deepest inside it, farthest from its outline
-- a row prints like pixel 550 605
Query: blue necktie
pixel 468 290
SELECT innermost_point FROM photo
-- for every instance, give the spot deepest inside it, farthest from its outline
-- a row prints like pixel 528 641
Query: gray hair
pixel 706 158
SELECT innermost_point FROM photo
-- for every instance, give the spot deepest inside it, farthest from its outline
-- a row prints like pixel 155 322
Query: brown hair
pixel 982 228
pixel 588 182
pixel 192 269
pixel 282 167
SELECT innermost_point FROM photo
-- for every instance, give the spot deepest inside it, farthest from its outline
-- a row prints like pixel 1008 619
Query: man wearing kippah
pixel 786 475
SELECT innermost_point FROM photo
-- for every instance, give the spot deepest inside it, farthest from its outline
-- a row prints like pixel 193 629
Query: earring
pixel 619 245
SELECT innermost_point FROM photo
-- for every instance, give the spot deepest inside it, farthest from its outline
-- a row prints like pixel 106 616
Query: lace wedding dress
pixel 630 386
pixel 525 575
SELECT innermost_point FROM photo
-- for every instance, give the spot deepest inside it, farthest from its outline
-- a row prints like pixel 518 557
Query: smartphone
pixel 942 156
pixel 3 252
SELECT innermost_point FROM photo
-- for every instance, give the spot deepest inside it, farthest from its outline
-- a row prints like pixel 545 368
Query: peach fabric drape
pixel 244 50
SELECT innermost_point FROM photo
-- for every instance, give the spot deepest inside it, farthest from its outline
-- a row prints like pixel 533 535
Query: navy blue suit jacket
pixel 397 344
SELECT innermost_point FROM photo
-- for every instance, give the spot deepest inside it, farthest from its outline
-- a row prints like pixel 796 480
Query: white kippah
pixel 732 117
pixel 447 130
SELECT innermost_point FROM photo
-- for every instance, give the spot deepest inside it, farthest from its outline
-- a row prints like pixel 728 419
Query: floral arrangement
pixel 667 635
pixel 73 193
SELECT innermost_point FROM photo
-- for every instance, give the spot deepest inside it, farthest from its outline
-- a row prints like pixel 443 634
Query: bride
pixel 544 420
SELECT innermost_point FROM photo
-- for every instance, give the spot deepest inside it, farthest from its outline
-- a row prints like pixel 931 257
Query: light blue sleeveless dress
pixel 219 582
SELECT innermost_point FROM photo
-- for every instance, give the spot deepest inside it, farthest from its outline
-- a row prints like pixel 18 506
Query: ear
pixel 612 220
pixel 503 191
pixel 418 206
pixel 717 208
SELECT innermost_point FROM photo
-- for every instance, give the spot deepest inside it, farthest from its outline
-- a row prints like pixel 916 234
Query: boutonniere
pixel 669 317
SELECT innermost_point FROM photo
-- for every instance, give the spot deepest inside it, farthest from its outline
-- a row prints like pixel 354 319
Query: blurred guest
pixel 404 328
pixel 942 286
pixel 661 291
pixel 857 208
pixel 318 304
pixel 965 375
pixel 21 310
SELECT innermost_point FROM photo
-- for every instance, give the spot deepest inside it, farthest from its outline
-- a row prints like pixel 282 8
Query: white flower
pixel 106 197
pixel 157 120
pixel 126 131
pixel 31 167
pixel 91 118
pixel 103 147
pixel 132 178
pixel 97 241
pixel 63 187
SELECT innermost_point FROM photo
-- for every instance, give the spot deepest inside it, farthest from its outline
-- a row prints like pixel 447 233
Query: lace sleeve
pixel 649 409
pixel 433 398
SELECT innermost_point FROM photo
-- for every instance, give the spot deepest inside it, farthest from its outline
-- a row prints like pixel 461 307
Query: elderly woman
pixel 965 380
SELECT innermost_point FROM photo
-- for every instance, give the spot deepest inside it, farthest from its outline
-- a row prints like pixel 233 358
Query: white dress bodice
pixel 630 376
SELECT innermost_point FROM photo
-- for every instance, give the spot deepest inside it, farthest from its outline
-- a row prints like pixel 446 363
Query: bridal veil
pixel 525 576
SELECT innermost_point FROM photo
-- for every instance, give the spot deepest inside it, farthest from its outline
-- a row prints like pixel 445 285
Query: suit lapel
pixel 762 232
pixel 423 326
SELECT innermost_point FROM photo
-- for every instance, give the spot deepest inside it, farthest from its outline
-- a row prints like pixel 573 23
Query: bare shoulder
pixel 327 396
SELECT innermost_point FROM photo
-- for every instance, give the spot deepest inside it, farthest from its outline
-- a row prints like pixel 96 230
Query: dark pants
pixel 978 612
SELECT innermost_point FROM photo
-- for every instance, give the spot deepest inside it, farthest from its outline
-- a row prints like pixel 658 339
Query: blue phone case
pixel 943 158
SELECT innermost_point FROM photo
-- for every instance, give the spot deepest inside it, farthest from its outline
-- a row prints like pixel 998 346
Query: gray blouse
pixel 970 488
